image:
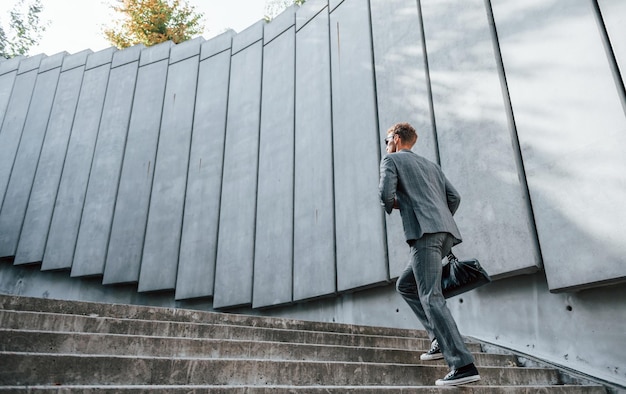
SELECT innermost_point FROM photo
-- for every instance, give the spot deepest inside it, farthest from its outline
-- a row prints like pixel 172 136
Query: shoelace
pixel 449 375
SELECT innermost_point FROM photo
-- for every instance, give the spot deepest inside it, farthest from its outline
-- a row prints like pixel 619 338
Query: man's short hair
pixel 406 132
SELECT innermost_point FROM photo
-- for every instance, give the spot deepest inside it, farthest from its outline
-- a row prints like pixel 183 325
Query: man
pixel 427 201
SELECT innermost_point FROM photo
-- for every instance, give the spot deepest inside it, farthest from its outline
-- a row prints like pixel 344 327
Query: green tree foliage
pixel 275 7
pixel 24 30
pixel 151 22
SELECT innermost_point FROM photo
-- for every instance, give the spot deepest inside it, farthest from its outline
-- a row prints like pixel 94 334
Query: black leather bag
pixel 461 276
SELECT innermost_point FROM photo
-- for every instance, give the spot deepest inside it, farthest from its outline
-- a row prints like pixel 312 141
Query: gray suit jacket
pixel 426 198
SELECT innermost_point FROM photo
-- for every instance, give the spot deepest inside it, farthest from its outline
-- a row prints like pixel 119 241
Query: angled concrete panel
pixel 186 49
pixel 99 58
pixel 97 215
pixel 159 263
pixel 198 248
pixel 8 73
pixel 10 65
pixel 247 37
pixel 308 11
pixel 280 24
pixel 614 18
pixel 314 222
pixel 27 155
pixel 123 260
pixel 6 87
pixel 402 95
pixel 476 140
pixel 273 254
pixel 13 124
pixel 78 59
pixel 572 133
pixel 68 206
pixel 34 234
pixel 333 4
pixel 235 248
pixel 217 44
pixel 155 53
pixel 39 62
pixel 359 219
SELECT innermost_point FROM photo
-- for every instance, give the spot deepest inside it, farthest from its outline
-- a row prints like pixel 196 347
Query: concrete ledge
pixel 47 369
pixel 74 323
pixel 11 302
pixel 271 389
pixel 209 348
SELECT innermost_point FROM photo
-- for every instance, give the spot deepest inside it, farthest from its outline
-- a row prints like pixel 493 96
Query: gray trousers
pixel 420 286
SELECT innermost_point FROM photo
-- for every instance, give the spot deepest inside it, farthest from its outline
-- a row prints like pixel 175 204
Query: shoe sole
pixel 467 379
pixel 430 357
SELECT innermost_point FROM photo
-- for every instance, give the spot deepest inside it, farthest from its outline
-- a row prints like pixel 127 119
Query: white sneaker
pixel 434 353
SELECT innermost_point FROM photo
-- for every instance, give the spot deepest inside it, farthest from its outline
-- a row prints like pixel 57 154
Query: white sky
pixel 76 25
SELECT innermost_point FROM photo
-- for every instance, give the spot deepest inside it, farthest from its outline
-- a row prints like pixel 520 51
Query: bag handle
pixel 451 257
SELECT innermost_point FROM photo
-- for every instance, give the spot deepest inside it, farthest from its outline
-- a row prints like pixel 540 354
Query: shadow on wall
pixel 571 126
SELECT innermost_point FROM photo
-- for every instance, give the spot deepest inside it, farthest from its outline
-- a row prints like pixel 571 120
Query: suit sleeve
pixel 452 196
pixel 388 183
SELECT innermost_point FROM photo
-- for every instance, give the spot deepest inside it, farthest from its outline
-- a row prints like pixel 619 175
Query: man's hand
pixel 395 204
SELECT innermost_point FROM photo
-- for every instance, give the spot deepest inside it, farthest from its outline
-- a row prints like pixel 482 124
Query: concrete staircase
pixel 67 346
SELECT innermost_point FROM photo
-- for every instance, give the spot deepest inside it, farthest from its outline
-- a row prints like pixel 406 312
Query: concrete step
pixel 80 347
pixel 272 389
pixel 154 346
pixel 10 302
pixel 21 369
pixel 56 322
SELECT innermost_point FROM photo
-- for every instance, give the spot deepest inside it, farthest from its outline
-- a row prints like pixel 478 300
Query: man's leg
pixel 407 287
pixel 427 253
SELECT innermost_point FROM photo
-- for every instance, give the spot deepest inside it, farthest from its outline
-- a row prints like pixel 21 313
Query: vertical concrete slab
pixel 97 215
pixel 477 144
pixel 13 123
pixel 235 248
pixel 68 206
pixel 314 270
pixel 8 73
pixel 159 263
pixel 359 219
pixel 198 248
pixel 273 254
pixel 572 133
pixel 45 186
pixel 403 95
pixel 123 259
pixel 614 17
pixel 25 164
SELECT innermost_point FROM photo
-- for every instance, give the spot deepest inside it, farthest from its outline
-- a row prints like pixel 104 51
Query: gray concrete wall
pixel 477 145
pixel 161 246
pixel 27 155
pixel 68 206
pixel 38 215
pixel 402 94
pixel 235 246
pixel 356 150
pixel 97 211
pixel 314 264
pixel 240 173
pixel 273 252
pixel 198 249
pixel 572 129
pixel 128 229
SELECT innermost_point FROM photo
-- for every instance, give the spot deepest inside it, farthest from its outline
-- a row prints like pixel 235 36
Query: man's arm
pixel 388 184
pixel 452 196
